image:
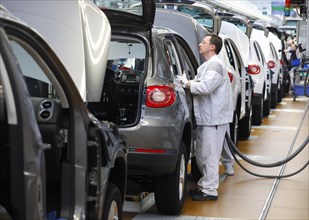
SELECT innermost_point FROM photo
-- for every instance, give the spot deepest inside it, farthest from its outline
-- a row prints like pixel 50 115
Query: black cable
pixel 233 147
pixel 276 164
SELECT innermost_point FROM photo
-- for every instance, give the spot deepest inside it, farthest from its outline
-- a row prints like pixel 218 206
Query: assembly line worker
pixel 213 110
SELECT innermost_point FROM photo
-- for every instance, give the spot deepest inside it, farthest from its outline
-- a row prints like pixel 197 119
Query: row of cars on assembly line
pixel 251 56
pixel 90 111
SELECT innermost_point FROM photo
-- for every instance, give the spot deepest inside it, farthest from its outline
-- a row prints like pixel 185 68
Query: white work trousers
pixel 227 158
pixel 209 143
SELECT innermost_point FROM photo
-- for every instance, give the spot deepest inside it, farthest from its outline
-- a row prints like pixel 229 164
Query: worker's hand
pixel 182 79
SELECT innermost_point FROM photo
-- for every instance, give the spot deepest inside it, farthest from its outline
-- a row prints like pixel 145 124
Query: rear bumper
pixel 151 164
pixel 153 145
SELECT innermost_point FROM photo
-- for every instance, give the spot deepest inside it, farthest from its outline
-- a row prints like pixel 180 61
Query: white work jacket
pixel 211 87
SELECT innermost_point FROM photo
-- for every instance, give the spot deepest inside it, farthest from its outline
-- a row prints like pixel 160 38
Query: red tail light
pixel 282 62
pixel 160 96
pixel 271 64
pixel 254 69
pixel 231 76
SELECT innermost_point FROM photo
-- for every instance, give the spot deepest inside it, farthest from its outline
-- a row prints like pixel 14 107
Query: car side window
pixel 229 54
pixel 236 59
pixel 187 65
pixel 172 56
pixel 256 51
pixel 261 53
pixel 273 50
pixel 37 82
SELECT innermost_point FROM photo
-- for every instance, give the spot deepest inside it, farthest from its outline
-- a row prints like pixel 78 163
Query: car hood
pixel 138 14
pixel 77 31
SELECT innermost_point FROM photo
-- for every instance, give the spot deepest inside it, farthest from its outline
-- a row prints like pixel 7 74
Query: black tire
pixel 274 98
pixel 280 93
pixel 286 83
pixel 113 203
pixel 245 125
pixel 234 128
pixel 170 190
pixel 258 113
pixel 266 107
pixel 195 171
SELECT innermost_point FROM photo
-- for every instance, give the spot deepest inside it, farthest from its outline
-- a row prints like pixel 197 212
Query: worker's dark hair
pixel 217 41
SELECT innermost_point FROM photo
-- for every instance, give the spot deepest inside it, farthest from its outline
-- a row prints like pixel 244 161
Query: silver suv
pixel 150 110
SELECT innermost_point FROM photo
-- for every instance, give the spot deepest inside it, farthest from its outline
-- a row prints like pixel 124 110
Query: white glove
pixel 182 79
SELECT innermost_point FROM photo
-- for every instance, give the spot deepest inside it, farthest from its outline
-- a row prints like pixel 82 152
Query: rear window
pixel 126 54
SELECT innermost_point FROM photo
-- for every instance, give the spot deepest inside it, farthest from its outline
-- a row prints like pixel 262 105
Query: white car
pixel 256 68
pixel 260 74
pixel 240 64
pixel 272 60
pixel 274 39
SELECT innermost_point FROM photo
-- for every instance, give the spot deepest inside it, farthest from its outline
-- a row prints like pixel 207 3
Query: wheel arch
pixel 187 138
pixel 118 174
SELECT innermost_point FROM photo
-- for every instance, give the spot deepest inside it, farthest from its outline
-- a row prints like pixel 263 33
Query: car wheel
pixel 258 113
pixel 286 83
pixel 266 107
pixel 195 171
pixel 245 125
pixel 170 189
pixel 234 128
pixel 280 93
pixel 113 203
pixel 274 98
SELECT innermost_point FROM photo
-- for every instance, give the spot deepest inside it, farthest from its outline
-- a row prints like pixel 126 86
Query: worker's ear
pixel 213 47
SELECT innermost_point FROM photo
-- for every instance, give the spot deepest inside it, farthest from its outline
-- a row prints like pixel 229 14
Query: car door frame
pixel 27 163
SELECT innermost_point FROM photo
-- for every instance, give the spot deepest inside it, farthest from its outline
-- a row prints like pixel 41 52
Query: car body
pixel 153 112
pixel 57 159
pixel 273 63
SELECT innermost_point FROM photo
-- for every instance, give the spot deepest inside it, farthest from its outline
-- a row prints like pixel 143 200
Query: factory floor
pixel 245 196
